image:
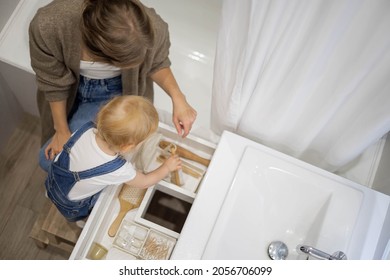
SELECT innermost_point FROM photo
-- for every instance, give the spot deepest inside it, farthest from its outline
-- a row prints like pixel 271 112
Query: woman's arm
pixel 183 114
pixel 62 132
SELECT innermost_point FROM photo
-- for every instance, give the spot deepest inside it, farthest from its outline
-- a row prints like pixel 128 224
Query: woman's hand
pixel 183 116
pixel 56 144
pixel 61 127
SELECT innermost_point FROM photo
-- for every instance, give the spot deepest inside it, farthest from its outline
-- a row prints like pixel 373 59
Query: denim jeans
pixel 91 96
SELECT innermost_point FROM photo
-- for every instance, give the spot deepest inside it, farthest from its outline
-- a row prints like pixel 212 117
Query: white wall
pixel 6 9
pixel 23 85
pixel 10 112
pixel 382 177
pixel 10 109
pixel 14 52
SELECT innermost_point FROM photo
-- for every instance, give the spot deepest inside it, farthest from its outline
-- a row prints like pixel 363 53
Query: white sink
pixel 273 199
pixel 253 195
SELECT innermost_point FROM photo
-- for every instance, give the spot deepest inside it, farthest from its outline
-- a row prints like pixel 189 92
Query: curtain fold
pixel 308 78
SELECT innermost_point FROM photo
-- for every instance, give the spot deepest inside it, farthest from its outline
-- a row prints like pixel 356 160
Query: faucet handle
pixel 339 255
pixel 318 254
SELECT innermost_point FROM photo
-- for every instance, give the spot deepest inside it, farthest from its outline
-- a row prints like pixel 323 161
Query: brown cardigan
pixel 55 57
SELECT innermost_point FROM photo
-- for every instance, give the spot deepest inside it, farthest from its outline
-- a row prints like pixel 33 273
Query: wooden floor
pixel 22 195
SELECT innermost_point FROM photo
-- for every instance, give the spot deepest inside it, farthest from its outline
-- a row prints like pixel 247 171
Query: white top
pixel 86 154
pixel 98 70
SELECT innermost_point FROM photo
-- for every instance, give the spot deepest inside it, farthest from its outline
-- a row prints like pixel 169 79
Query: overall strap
pixel 102 169
pixel 63 159
pixel 68 145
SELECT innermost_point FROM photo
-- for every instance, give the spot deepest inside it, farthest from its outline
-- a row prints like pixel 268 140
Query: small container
pixel 97 251
pixel 130 237
pixel 140 233
pixel 157 246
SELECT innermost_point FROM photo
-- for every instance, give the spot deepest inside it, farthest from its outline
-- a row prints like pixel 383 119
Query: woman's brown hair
pixel 117 32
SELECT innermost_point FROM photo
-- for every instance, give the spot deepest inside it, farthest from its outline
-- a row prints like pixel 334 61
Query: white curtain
pixel 310 78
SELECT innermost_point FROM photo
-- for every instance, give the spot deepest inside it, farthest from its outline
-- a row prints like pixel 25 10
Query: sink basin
pixel 252 195
pixel 274 199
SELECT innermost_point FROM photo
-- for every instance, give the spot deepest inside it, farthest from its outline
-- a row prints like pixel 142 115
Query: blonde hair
pixel 126 120
pixel 117 32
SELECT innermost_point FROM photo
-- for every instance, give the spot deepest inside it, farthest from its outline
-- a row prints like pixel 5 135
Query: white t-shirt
pixel 98 70
pixel 86 154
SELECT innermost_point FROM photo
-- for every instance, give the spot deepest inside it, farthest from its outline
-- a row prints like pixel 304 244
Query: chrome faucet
pixel 315 253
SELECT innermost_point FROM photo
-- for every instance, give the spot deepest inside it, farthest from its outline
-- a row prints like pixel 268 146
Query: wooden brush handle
pixel 115 224
pixel 124 208
pixel 182 152
pixel 175 178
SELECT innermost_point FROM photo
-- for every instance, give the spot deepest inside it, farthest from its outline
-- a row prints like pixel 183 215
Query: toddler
pixel 92 158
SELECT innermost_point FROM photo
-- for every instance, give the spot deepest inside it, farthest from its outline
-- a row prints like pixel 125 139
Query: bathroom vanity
pixel 249 197
pixel 253 195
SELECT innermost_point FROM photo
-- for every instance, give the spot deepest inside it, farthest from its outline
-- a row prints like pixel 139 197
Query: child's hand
pixel 173 163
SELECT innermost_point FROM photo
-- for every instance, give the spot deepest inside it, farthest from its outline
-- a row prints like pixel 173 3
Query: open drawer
pixel 151 230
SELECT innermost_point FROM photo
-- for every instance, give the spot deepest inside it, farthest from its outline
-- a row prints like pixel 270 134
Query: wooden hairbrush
pixel 129 198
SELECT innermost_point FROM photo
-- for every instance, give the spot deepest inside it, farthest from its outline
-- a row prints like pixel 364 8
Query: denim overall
pixel 61 180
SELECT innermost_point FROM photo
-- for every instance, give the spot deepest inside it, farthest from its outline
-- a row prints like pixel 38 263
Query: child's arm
pixel 142 180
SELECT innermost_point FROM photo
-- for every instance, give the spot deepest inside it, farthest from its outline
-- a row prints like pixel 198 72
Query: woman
pixel 84 52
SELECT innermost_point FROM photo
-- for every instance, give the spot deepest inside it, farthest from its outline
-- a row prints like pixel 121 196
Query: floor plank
pixel 20 162
pixel 22 194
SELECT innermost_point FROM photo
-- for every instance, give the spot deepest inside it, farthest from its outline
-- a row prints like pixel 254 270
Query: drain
pixel 277 250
